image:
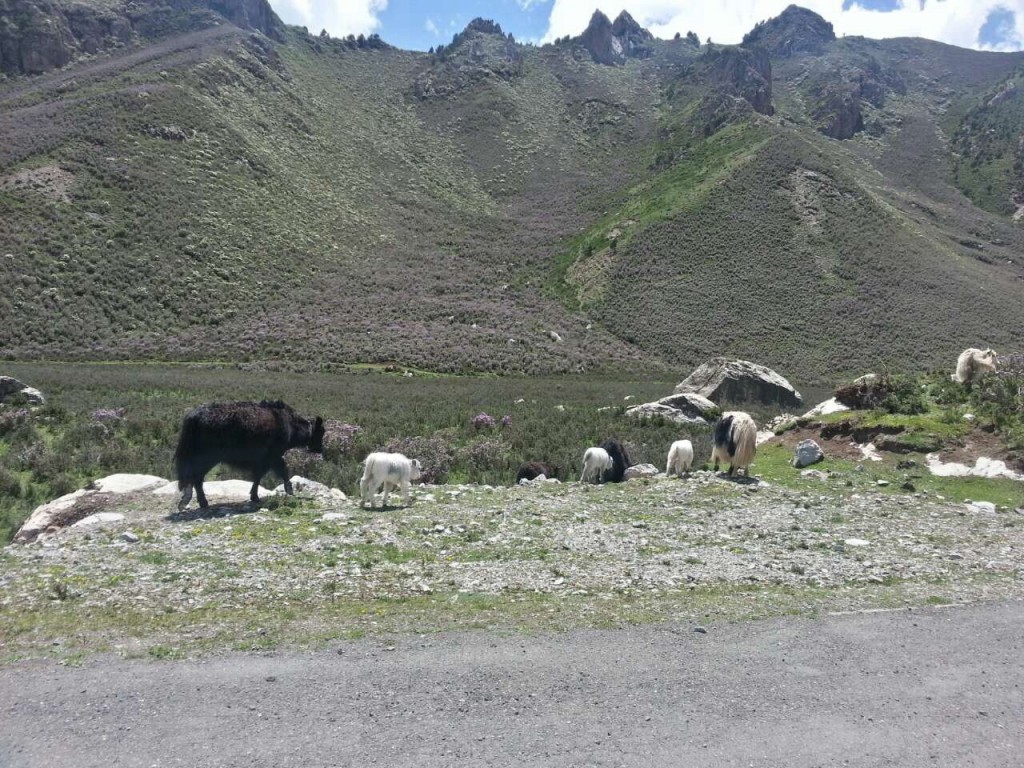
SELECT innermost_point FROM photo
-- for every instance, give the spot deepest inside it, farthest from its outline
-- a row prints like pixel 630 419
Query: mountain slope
pixel 219 194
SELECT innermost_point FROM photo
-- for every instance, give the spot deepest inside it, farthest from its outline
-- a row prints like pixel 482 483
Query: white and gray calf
pixel 596 461
pixel 680 458
pixel 391 470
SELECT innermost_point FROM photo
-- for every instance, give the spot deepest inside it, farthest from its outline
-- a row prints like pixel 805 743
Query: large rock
pixel 826 407
pixel 219 490
pixel 73 507
pixel 10 386
pixel 740 381
pixel 682 408
pixel 807 452
pixel 794 32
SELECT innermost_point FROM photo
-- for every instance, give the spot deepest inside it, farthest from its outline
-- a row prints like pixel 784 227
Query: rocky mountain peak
pixel 484 26
pixel 613 43
pixel 793 32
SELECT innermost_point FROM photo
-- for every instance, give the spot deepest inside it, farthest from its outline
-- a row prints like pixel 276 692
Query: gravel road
pixel 934 686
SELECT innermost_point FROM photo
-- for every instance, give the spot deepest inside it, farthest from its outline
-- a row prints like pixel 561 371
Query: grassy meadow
pixel 106 418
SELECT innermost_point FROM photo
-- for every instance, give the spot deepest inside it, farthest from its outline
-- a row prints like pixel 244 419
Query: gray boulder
pixel 740 381
pixel 682 408
pixel 641 470
pixel 11 386
pixel 807 452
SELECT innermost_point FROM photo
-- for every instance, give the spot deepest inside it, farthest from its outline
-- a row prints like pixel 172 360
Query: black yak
pixel 620 461
pixel 735 441
pixel 534 469
pixel 245 435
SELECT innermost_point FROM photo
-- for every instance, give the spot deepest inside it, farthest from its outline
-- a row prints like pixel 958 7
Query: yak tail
pixel 188 442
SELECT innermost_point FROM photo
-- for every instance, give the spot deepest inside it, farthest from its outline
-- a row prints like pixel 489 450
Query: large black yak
pixel 245 435
pixel 620 461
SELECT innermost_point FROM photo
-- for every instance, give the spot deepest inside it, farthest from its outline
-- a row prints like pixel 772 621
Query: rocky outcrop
pixel 39 35
pixel 479 53
pixel 743 72
pixel 794 32
pixel 680 408
pixel 838 100
pixel 14 390
pixel 613 42
pixel 740 381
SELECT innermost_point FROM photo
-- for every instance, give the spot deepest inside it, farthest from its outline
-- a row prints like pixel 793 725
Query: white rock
pixel 640 470
pixel 222 490
pixel 868 451
pixel 817 474
pixel 856 542
pixel 826 407
pixel 763 436
pixel 126 483
pixel 130 537
pixel 807 452
pixel 42 516
pixel 99 517
pixel 982 506
pixel 983 467
pixel 331 516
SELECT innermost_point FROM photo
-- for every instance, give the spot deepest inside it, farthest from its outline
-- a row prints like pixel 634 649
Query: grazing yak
pixel 531 470
pixel 680 458
pixel 392 470
pixel 620 461
pixel 245 435
pixel 735 437
pixel 972 362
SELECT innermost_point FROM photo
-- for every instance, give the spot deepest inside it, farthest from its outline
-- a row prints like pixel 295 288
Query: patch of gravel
pixel 650 537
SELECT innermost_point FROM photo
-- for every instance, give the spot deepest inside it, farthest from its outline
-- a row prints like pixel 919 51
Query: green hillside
pixel 248 192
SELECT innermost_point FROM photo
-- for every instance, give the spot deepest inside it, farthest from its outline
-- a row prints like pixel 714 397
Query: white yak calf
pixel 680 458
pixel 392 470
pixel 596 461
pixel 972 362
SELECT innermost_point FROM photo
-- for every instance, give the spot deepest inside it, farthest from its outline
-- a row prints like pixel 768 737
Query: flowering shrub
pixel 339 437
pixel 484 454
pixel 483 421
pixel 11 419
pixel 104 415
pixel 435 455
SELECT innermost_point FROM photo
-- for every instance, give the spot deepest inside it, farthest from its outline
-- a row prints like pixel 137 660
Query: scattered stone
pixel 700 630
pixel 982 506
pixel 807 452
pixel 817 474
pixel 130 537
pixel 983 467
pixel 881 483
pixel 908 486
pixel 640 470
pixel 856 542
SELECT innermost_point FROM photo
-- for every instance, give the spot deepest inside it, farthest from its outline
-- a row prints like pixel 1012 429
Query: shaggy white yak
pixel 392 470
pixel 596 462
pixel 735 441
pixel 680 458
pixel 972 362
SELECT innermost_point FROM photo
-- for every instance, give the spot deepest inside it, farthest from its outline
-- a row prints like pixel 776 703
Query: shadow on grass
pixel 213 511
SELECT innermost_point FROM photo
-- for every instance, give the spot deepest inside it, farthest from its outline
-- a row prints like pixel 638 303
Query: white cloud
pixel 951 21
pixel 338 17
pixel 431 27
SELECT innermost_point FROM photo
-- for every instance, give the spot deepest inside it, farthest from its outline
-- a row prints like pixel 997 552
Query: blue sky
pixel 420 24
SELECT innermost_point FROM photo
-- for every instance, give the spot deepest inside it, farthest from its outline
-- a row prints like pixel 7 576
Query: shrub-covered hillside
pixel 221 187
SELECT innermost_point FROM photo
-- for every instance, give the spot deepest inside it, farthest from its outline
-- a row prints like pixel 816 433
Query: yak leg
pixel 405 492
pixel 200 496
pixel 186 496
pixel 282 469
pixel 384 499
